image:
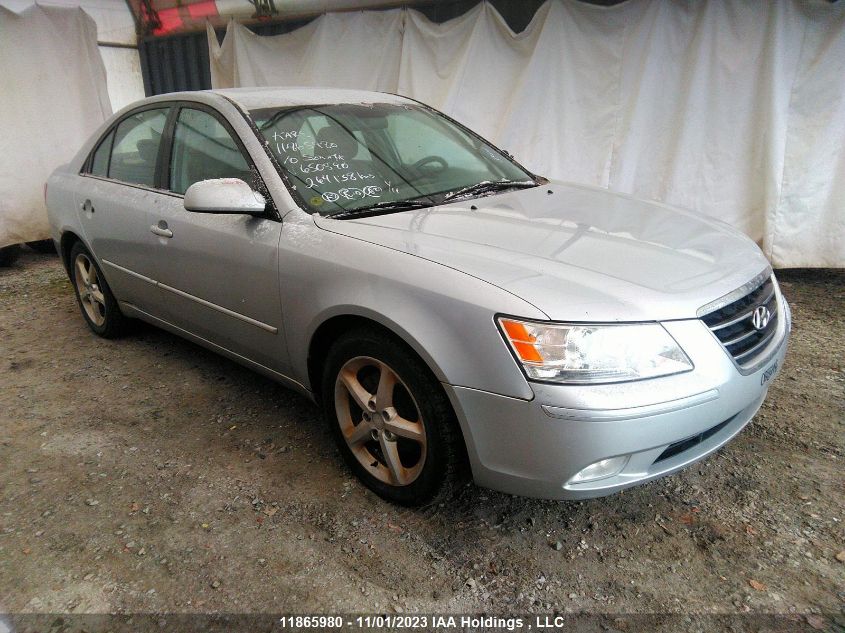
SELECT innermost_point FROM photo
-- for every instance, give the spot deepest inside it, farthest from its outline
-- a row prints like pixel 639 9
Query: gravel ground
pixel 149 475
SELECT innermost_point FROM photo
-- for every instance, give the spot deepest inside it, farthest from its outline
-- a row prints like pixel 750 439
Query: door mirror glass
pixel 224 195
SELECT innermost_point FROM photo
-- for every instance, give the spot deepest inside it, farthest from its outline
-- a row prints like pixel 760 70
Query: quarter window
pixel 100 160
pixel 202 150
pixel 136 142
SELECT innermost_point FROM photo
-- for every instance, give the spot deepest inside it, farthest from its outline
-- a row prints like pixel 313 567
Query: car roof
pixel 254 98
pixel 257 98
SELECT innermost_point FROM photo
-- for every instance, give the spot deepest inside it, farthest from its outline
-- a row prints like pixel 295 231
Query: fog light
pixel 605 468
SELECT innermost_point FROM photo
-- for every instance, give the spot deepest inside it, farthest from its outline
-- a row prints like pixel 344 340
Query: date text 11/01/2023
pixel 412 622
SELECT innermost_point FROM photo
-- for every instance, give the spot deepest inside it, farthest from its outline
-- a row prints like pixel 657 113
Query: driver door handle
pixel 161 229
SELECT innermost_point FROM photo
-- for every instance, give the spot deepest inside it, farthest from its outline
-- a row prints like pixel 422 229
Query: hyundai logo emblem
pixel 760 317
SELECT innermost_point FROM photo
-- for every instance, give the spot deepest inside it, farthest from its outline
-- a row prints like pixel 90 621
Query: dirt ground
pixel 149 475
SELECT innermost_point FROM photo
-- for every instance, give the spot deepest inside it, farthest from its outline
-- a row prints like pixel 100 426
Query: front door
pixel 218 273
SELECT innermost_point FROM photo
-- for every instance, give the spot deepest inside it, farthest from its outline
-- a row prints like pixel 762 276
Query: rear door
pixel 218 273
pixel 114 199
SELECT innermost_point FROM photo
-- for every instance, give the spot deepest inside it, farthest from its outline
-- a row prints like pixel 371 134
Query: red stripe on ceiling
pixel 170 21
pixel 203 9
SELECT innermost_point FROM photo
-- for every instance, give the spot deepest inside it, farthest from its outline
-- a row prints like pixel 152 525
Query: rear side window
pixel 203 149
pixel 100 160
pixel 135 149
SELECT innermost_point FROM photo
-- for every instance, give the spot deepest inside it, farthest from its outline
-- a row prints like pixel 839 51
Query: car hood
pixel 575 252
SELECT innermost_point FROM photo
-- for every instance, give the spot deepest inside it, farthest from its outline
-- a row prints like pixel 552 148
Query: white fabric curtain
pixel 53 87
pixel 115 25
pixel 734 108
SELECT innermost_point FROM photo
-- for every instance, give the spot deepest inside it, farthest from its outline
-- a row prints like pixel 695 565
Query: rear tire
pixel 391 419
pixel 96 302
pixel 45 247
pixel 9 254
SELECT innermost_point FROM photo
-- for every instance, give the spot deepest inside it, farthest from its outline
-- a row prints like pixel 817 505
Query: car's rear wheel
pixel 390 418
pixel 96 301
pixel 9 254
pixel 45 247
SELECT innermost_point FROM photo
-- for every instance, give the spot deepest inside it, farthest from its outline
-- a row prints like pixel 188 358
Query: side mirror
pixel 224 195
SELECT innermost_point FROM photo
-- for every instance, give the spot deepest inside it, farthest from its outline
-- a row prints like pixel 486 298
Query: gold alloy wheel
pixel 380 420
pixel 88 285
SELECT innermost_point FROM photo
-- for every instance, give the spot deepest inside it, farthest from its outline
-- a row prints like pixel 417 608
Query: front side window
pixel 354 158
pixel 135 148
pixel 202 150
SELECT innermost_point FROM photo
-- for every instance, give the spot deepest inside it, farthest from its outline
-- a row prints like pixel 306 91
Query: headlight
pixel 594 353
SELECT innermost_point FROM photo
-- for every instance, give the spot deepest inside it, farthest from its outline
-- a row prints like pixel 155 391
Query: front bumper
pixel 535 447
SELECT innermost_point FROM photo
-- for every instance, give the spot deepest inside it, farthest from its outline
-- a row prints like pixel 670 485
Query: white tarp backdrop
pixel 115 26
pixel 733 108
pixel 53 87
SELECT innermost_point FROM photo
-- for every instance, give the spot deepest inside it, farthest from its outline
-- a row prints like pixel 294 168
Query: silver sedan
pixel 450 311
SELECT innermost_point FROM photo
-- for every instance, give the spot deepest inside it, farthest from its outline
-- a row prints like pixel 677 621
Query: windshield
pixel 353 158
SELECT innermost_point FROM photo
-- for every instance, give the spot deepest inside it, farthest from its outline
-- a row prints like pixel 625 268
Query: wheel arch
pixel 336 325
pixel 333 326
pixel 66 242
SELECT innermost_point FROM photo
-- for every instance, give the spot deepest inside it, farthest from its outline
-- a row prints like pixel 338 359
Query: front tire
pixel 97 303
pixel 390 418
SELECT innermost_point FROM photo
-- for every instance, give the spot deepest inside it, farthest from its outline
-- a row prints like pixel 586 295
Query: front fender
pixel 445 315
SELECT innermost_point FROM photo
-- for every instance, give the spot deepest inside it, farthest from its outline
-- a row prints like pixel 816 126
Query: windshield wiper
pixel 388 206
pixel 488 186
pixel 385 207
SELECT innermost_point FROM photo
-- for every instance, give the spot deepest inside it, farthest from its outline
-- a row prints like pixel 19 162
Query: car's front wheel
pixel 390 418
pixel 96 301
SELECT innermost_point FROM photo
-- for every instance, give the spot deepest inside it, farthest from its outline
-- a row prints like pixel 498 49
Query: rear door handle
pixel 161 229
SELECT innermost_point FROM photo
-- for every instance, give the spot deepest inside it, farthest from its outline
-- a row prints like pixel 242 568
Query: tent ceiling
pixel 165 17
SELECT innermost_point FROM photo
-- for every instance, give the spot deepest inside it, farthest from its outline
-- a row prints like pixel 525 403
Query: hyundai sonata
pixel 445 306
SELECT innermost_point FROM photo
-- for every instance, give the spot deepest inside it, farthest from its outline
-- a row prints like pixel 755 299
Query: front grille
pixel 733 324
